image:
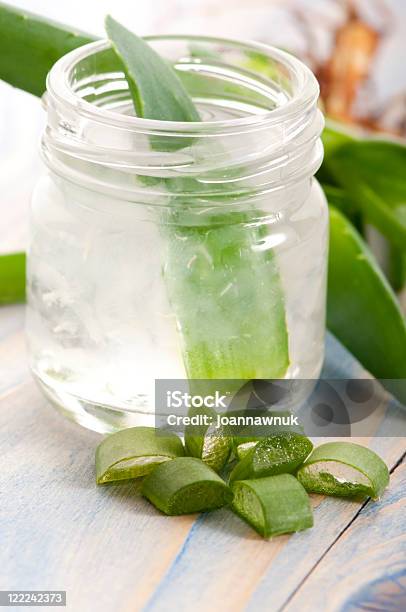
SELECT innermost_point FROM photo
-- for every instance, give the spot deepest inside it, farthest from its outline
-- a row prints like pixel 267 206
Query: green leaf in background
pixel 30 45
pixel 362 310
pixel 332 137
pixel 12 278
pixel 372 172
pixel 397 268
pixel 338 197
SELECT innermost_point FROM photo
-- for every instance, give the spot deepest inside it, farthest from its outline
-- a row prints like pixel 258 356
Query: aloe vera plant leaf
pixel 12 278
pixel 344 469
pixel 397 268
pixel 185 485
pixel 362 310
pixel 333 138
pixel 372 173
pixel 227 298
pixel 156 89
pixel 337 197
pixel 30 45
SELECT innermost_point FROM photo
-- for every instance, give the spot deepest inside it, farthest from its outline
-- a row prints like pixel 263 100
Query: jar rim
pixel 305 94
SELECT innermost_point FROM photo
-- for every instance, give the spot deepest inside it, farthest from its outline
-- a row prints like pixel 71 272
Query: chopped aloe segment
pixel 273 505
pixel 216 450
pixel 247 435
pixel 344 469
pixel 185 485
pixel 278 454
pixel 206 442
pixel 242 450
pixel 134 452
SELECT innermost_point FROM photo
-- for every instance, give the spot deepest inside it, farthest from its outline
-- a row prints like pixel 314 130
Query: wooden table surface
pixel 112 551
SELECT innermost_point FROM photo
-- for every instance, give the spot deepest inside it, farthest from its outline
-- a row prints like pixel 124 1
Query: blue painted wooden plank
pixel 225 561
pixel 109 548
pixel 366 569
pixel 106 546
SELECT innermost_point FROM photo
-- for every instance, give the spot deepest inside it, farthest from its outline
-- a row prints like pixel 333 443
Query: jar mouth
pixel 301 93
pixel 259 131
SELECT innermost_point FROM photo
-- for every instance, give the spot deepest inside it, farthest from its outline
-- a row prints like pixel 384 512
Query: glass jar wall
pixel 170 250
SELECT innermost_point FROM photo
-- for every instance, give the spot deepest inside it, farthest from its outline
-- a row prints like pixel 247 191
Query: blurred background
pixel 355 47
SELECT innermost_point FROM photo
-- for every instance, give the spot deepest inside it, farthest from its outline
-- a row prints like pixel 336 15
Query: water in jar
pixel 102 326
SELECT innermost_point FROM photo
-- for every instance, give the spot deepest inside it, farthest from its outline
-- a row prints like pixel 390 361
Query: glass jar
pixel 164 250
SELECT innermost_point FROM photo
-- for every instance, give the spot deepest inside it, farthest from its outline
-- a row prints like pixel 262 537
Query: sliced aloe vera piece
pixel 278 454
pixel 207 442
pixel 344 469
pixel 243 449
pixel 185 485
pixel 12 278
pixel 134 452
pixel 273 505
pixel 246 437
